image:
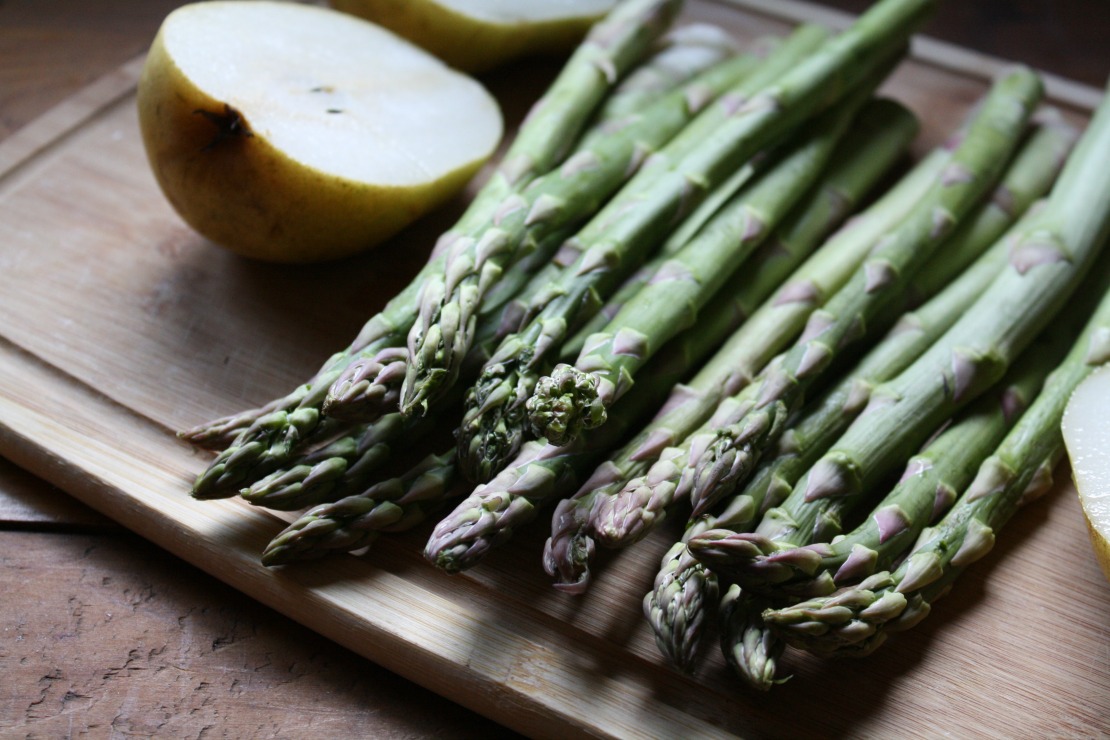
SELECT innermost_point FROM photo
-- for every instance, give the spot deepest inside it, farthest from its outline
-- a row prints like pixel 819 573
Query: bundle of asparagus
pixel 631 316
pixel 1047 258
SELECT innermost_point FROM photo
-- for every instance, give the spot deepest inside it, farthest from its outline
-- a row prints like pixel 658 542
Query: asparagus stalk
pixel 993 136
pixel 751 651
pixel 561 198
pixel 856 620
pixel 335 470
pixel 441 336
pixel 273 465
pixel 669 303
pixel 396 504
pixel 682 53
pixel 878 139
pixel 776 322
pixel 494 424
pixel 947 464
pixel 625 36
pixel 1028 176
pixel 927 488
pixel 354 522
pixel 683 584
pixel 542 472
pixel 663 447
pixel 658 197
pixel 1047 260
pixel 345 465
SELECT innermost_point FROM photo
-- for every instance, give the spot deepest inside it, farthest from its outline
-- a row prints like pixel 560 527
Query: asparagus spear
pixel 345 465
pixel 671 300
pixel 1048 258
pixel 543 472
pixel 993 135
pixel 927 488
pixel 684 585
pixel 443 333
pixel 682 53
pixel 878 139
pixel 856 620
pixel 395 504
pixel 776 322
pixel 354 522
pixel 1029 176
pixel 273 466
pixel 615 43
pixel 749 650
pixel 335 469
pixel 494 424
pixel 560 198
pixel 957 452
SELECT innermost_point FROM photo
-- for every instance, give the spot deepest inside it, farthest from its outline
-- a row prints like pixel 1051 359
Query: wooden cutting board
pixel 119 326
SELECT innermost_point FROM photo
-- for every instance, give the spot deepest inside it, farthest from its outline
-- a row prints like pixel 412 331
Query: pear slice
pixel 478 35
pixel 294 133
pixel 1086 429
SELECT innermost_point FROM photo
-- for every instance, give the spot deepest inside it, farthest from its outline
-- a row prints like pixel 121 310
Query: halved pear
pixel 294 133
pixel 478 35
pixel 1086 429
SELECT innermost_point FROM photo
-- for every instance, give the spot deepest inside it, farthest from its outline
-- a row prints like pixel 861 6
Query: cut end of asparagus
pixel 565 404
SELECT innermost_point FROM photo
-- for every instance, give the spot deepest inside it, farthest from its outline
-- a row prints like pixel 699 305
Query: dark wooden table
pixel 103 633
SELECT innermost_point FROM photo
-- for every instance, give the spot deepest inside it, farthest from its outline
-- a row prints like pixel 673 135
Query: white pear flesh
pixel 295 133
pixel 480 35
pixel 1086 430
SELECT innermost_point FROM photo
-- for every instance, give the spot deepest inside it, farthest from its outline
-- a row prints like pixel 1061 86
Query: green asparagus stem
pixel 442 333
pixel 683 584
pixel 770 328
pixel 346 464
pixel 273 463
pixel 661 197
pixel 975 166
pixel 540 145
pixel 663 447
pixel 333 471
pixel 558 199
pixel 856 620
pixel 669 303
pixel 1029 176
pixel 876 141
pixel 494 425
pixel 681 54
pixel 542 472
pixel 601 163
pixel 354 522
pixel 927 488
pixel 749 650
pixel 1047 260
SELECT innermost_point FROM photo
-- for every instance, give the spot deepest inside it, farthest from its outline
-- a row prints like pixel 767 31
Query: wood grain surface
pixel 1016 653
